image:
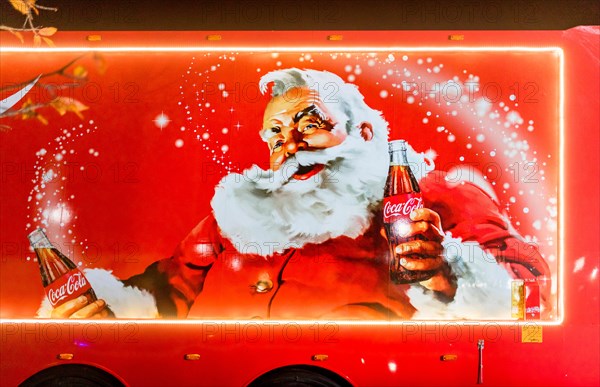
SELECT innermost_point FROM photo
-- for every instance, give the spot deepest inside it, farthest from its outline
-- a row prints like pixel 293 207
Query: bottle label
pixel 69 286
pixel 532 300
pixel 400 206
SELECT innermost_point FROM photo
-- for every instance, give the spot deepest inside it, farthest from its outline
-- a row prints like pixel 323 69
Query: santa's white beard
pixel 267 211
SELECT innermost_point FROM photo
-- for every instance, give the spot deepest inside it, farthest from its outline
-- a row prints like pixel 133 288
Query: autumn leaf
pixel 47 31
pixel 29 111
pixel 100 62
pixel 37 41
pixel 22 6
pixel 18 35
pixel 49 42
pixel 67 104
pixel 41 119
pixel 80 72
pixel 35 115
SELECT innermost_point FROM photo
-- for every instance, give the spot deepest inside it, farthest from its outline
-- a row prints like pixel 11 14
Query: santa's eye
pixel 268 133
pixel 277 145
pixel 310 127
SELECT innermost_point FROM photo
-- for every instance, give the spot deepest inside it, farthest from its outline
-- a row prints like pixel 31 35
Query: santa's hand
pixel 81 308
pixel 426 253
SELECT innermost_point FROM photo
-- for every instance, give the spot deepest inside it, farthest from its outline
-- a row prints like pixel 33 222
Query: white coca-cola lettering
pixel 402 209
pixel 75 284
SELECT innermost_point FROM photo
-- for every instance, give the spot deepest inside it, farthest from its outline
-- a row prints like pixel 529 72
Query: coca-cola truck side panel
pixel 226 205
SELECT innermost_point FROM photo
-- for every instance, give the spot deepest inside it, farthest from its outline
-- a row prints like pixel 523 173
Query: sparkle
pixel 161 120
pixel 238 126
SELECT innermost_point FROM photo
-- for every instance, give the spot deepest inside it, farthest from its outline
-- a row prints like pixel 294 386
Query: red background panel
pixel 141 193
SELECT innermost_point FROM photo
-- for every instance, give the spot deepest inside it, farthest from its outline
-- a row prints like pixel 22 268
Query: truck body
pixel 117 143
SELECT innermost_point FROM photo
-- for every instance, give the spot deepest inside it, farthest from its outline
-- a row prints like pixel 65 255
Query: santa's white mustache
pixel 270 180
pixel 330 157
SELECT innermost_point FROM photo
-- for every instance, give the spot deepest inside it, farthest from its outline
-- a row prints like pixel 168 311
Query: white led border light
pixel 322 323
pixel 269 49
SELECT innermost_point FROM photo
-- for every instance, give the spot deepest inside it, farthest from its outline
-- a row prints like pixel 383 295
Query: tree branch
pixel 59 71
pixel 30 20
pixel 10 29
pixel 25 110
pixel 46 8
pixel 62 86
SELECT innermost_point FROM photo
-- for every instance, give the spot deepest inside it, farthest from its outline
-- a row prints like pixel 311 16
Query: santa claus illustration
pixel 302 239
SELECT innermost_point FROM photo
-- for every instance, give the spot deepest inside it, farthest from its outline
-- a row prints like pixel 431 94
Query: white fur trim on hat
pixel 124 301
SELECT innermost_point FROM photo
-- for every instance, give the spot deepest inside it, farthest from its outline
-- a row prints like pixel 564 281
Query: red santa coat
pixel 340 278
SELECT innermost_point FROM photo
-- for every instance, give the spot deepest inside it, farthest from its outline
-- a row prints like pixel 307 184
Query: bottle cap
pixel 38 238
pixel 397 145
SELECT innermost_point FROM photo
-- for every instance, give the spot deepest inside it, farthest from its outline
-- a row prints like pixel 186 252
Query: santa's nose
pixel 292 146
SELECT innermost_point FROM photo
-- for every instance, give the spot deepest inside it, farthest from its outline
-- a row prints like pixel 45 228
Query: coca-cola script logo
pixel 395 207
pixel 74 285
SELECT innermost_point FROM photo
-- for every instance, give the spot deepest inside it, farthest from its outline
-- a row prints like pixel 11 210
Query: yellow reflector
pixel 448 357
pixel 532 333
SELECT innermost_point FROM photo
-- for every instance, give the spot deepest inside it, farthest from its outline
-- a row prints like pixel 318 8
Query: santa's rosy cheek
pixel 277 160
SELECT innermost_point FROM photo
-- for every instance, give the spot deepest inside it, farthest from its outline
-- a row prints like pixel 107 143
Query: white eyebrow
pixel 266 133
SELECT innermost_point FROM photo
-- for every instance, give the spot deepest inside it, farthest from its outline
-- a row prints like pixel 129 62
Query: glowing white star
pixel 161 120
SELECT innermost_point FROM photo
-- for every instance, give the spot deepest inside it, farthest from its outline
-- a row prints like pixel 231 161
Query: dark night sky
pixel 312 15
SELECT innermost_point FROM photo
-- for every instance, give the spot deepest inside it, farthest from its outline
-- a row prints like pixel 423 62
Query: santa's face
pixel 283 206
pixel 299 121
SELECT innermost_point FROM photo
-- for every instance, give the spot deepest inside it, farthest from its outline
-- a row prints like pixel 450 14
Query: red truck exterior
pixel 152 352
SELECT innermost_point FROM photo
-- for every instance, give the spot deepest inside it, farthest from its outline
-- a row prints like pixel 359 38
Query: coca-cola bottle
pixel 62 280
pixel 402 195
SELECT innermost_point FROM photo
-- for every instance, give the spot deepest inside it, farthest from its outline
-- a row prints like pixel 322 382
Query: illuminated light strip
pixel 16 49
pixel 191 321
pixel 561 229
pixel 561 189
